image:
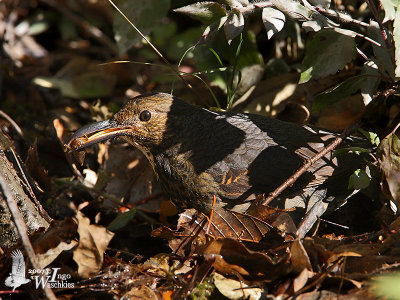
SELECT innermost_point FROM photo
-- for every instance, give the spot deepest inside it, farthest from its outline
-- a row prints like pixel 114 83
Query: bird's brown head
pixel 142 122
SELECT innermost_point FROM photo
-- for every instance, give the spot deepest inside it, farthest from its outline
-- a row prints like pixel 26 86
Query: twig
pixel 363 55
pixel 12 122
pixel 318 279
pixel 21 170
pixel 249 9
pixel 22 228
pixel 210 220
pixel 292 179
pixel 26 183
pixel 343 18
pixel 309 162
pixel 374 11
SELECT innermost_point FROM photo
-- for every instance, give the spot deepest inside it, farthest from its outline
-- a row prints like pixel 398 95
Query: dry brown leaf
pixel 389 161
pixel 368 264
pixel 128 173
pixel 164 264
pixel 234 289
pixel 193 228
pixel 342 113
pixel 395 225
pixel 141 292
pixel 355 250
pixel 233 258
pixel 299 257
pixel 318 295
pixel 36 169
pixel 93 241
pixel 278 218
pixel 300 281
pixel 63 137
pixel 60 236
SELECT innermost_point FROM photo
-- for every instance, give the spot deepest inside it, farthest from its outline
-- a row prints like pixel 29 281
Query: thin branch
pixel 342 18
pixel 26 183
pixel 21 226
pixel 309 162
pixel 374 11
pixel 12 122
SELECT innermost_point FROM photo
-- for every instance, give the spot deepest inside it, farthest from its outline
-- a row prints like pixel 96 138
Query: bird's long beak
pixel 95 133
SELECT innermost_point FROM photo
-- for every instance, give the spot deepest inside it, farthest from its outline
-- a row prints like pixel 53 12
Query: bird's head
pixel 145 122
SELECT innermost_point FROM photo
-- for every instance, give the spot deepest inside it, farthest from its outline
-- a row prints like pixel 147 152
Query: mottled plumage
pixel 197 153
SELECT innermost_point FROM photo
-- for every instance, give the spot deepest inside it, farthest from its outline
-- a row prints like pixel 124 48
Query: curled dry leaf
pixel 142 292
pixel 389 161
pixel 234 289
pixel 93 241
pixel 36 169
pixel 233 258
pixel 299 257
pixel 300 281
pixel 193 228
pixel 60 236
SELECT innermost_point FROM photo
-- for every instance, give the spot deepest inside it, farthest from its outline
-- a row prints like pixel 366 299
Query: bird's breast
pixel 182 183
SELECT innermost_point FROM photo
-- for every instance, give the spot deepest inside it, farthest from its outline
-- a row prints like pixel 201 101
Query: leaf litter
pixel 148 255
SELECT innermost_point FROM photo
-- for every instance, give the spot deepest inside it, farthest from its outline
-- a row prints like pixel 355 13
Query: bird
pixel 17 276
pixel 198 155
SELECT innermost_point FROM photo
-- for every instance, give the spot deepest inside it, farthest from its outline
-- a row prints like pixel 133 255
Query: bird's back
pixel 237 156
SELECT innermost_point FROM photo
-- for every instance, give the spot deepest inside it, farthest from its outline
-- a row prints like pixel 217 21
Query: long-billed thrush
pixel 198 154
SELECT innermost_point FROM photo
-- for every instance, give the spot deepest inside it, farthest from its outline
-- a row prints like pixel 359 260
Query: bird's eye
pixel 145 116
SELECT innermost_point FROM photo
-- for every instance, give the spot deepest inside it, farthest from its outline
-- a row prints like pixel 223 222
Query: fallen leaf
pixel 233 258
pixel 233 289
pixel 60 236
pixel 93 241
pixel 299 257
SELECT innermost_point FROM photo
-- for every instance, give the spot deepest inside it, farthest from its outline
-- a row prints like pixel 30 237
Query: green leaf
pixel 178 44
pixel 145 14
pixel 388 154
pixel 211 30
pixel 90 84
pixel 383 55
pixel 359 180
pixel 344 89
pixel 122 219
pixel 386 286
pixel 389 6
pixel 321 3
pixel 370 84
pixel 206 12
pixel 371 136
pixel 38 27
pixel 162 35
pixel 94 84
pixel 207 60
pixel 293 9
pixel 236 3
pixel 355 150
pixel 234 25
pixel 327 53
pixel 273 20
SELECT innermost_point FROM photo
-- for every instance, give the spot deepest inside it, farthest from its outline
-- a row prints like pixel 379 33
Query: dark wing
pixel 269 154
